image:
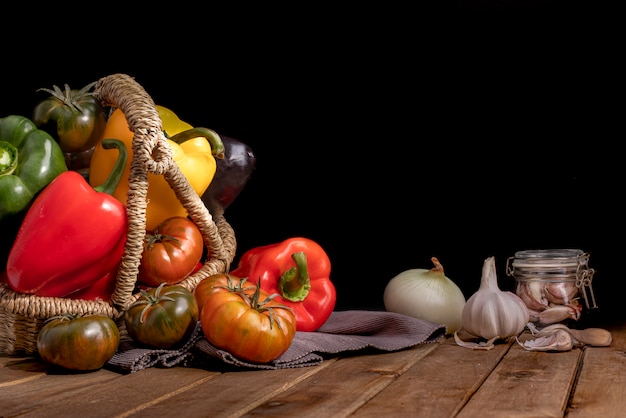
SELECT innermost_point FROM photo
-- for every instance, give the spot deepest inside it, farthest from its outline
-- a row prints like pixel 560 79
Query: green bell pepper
pixel 29 159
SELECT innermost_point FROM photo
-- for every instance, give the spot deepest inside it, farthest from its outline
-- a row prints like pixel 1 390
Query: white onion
pixel 426 294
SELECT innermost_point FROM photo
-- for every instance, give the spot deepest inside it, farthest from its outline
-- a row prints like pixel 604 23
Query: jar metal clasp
pixel 584 276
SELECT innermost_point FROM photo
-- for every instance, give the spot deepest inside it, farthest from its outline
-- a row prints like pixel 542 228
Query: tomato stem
pixel 158 237
pixel 70 98
pixel 259 305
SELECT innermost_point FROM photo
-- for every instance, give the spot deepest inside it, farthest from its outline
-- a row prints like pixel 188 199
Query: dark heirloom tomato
pixel 248 323
pixel 162 317
pixel 78 342
pixel 171 252
pixel 75 118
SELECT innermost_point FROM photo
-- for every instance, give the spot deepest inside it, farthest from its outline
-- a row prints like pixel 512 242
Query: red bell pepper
pixel 72 235
pixel 298 270
pixel 102 289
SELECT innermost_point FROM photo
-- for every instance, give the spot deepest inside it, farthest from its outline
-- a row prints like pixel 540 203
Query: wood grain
pixel 433 380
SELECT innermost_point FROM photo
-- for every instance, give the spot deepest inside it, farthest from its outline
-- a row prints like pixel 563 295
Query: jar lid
pixel 548 258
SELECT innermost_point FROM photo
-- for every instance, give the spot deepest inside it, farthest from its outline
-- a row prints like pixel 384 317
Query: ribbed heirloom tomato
pixel 243 319
pixel 220 283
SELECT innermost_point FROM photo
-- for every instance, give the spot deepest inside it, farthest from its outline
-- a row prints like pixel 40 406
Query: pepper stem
pixel 110 184
pixel 294 284
pixel 8 158
pixel 217 146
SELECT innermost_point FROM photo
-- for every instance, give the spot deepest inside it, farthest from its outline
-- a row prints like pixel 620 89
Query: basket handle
pixel 152 153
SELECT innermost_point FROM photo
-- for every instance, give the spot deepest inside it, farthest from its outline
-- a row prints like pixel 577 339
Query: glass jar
pixel 554 284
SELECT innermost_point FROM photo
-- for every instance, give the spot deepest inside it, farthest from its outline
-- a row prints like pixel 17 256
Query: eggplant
pixel 231 175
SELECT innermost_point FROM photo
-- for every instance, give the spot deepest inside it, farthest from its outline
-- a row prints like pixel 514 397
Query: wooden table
pixel 434 380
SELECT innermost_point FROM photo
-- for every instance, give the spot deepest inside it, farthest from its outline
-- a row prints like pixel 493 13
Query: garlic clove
pixel 531 292
pixel 533 316
pixel 560 293
pixel 558 313
pixel 557 340
pixel 597 337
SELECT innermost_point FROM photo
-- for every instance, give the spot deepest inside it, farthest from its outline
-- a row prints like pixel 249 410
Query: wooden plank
pixel 33 384
pixel 341 389
pixel 439 384
pixel 601 387
pixel 526 384
pixel 232 394
pixel 434 380
pixel 99 394
pixel 16 369
pixel 7 360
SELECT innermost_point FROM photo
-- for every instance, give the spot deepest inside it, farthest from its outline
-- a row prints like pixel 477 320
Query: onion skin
pixel 428 295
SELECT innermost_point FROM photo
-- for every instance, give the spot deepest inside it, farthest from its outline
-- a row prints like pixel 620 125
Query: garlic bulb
pixel 491 313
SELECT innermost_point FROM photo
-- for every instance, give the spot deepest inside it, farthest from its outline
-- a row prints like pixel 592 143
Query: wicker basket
pixel 22 316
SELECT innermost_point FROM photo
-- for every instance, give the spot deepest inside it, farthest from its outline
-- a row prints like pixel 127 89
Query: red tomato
pixel 250 325
pixel 78 342
pixel 171 252
pixel 162 317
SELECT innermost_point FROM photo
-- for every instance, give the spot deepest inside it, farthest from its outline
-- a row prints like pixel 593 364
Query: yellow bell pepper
pixel 195 158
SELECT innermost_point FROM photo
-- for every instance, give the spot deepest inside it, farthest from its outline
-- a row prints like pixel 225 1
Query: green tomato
pixel 78 342
pixel 75 118
pixel 162 317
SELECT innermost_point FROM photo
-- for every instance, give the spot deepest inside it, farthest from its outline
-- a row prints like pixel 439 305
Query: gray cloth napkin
pixel 344 331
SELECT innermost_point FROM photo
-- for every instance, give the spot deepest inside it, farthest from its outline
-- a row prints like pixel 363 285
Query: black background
pixel 461 130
